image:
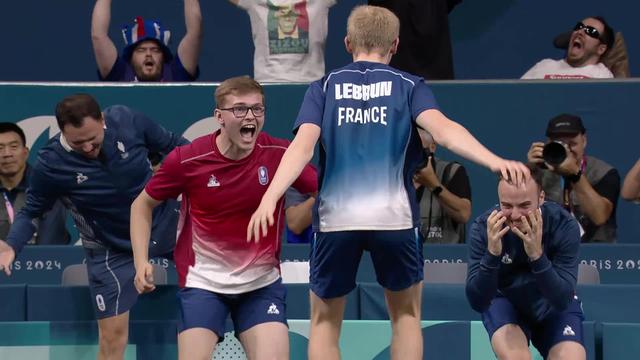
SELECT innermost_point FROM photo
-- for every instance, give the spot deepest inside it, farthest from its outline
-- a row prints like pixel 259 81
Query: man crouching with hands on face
pixel 523 266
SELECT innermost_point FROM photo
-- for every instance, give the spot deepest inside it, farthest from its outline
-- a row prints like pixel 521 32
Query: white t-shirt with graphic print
pixel 560 69
pixel 289 38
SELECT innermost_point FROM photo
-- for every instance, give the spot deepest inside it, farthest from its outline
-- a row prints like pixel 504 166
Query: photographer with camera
pixel 445 197
pixel 586 186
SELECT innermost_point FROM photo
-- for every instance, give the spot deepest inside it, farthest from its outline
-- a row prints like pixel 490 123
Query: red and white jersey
pixel 219 195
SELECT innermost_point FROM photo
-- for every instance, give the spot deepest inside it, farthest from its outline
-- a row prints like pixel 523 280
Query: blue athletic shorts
pixel 200 308
pixel 335 256
pixel 554 328
pixel 111 273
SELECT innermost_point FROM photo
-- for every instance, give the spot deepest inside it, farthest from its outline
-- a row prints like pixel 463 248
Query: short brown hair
pixel 74 108
pixel 536 175
pixel 372 28
pixel 240 85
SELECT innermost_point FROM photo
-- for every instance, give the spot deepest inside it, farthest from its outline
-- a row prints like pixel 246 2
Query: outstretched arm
pixel 298 154
pixel 189 48
pixel 103 48
pixel 456 138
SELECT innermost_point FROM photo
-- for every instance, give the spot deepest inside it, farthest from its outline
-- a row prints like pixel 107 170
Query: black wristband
pixel 574 178
pixel 436 190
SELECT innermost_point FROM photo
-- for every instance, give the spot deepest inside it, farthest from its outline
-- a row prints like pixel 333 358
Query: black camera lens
pixel 554 153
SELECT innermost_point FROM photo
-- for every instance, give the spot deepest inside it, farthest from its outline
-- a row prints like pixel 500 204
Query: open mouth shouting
pixel 577 43
pixel 149 65
pixel 248 132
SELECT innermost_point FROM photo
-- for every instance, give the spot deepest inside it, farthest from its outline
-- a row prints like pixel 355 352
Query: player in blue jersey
pixel 366 116
pixel 97 166
pixel 523 266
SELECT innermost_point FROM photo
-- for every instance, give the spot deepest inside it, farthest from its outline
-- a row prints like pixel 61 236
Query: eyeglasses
pixel 589 30
pixel 241 111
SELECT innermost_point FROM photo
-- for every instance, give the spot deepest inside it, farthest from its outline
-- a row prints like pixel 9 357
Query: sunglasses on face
pixel 589 30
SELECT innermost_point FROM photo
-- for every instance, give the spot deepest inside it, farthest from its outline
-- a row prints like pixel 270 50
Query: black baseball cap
pixel 565 124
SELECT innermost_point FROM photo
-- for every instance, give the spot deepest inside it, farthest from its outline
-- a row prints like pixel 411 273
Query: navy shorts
pixel 556 327
pixel 111 273
pixel 200 308
pixel 335 256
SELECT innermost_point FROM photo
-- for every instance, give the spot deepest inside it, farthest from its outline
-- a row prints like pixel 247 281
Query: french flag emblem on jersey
pixel 263 175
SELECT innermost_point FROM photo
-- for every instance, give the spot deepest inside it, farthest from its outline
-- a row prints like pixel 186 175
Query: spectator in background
pixel 586 186
pixel 590 40
pixel 97 165
pixel 14 180
pixel 298 211
pixel 631 185
pixel 425 49
pixel 523 269
pixel 289 38
pixel 146 56
pixel 445 197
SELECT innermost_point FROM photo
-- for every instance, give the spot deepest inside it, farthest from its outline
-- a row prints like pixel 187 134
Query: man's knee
pixel 327 309
pixel 114 332
pixel 510 342
pixel 515 354
pixel 114 338
pixel 567 350
pixel 405 303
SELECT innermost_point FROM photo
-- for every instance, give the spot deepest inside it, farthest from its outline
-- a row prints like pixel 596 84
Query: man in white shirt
pixel 590 40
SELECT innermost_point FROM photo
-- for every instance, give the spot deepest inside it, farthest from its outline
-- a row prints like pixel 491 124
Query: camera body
pixel 554 153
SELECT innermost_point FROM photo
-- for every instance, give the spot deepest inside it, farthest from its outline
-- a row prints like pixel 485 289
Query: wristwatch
pixel 574 178
pixel 437 190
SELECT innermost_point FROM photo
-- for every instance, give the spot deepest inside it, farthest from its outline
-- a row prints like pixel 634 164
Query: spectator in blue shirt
pixel 146 56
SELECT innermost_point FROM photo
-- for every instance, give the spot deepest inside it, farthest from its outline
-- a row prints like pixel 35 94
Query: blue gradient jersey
pixel 369 146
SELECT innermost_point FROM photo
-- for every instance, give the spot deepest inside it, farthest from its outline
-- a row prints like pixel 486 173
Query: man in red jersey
pixel 222 177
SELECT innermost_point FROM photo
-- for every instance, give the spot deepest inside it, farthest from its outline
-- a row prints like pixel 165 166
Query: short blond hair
pixel 240 85
pixel 372 28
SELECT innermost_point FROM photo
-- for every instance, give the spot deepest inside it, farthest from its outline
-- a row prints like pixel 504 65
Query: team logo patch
pixel 213 182
pixel 568 331
pixel 263 175
pixel 124 154
pixel 80 178
pixel 273 310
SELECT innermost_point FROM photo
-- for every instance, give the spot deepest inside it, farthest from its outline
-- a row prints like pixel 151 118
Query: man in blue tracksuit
pixel 97 166
pixel 523 265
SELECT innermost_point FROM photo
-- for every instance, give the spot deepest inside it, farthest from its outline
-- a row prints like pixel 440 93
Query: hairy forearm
pixel 459 209
pixel 596 207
